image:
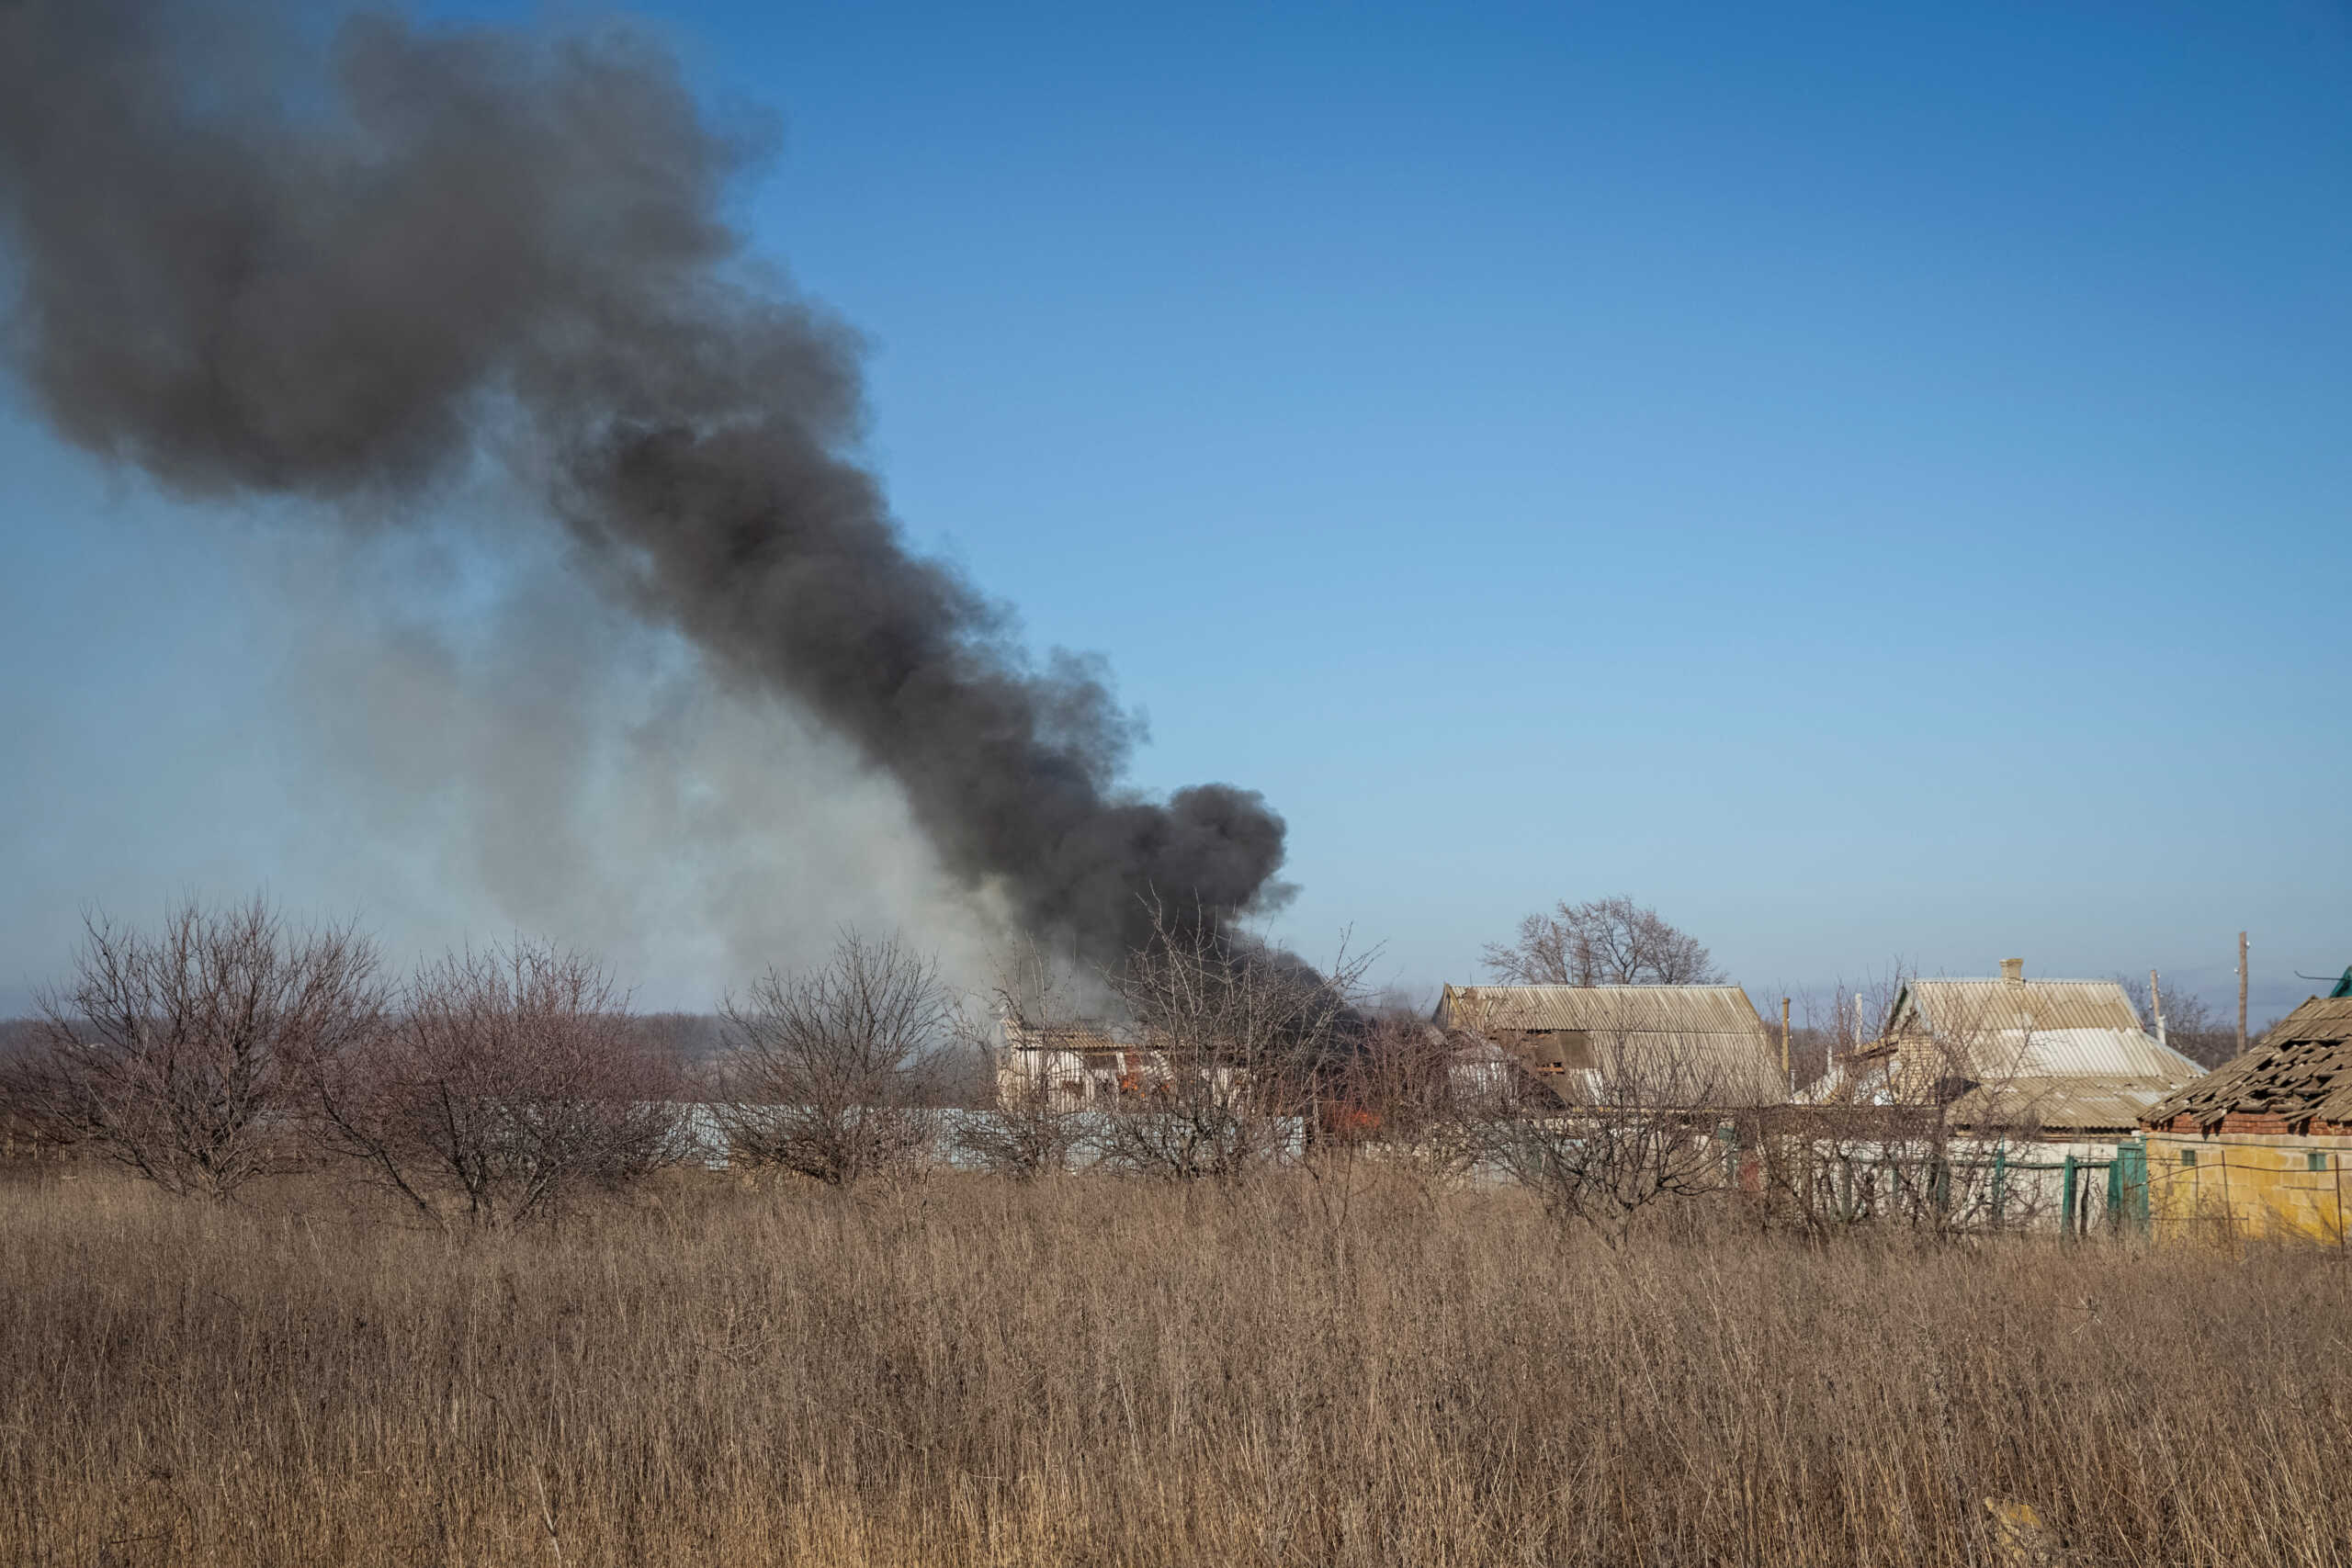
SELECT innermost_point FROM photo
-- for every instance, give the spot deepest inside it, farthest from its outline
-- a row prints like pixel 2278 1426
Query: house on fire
pixel 2262 1139
pixel 1696 1046
pixel 2061 1060
pixel 1073 1065
pixel 1076 1066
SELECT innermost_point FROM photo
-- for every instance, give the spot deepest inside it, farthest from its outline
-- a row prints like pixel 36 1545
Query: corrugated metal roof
pixel 1679 1009
pixel 2302 1068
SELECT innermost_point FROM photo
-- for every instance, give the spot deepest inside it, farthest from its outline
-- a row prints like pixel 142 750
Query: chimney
pixel 2013 971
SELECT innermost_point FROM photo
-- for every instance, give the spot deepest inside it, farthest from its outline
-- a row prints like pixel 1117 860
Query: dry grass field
pixel 1097 1372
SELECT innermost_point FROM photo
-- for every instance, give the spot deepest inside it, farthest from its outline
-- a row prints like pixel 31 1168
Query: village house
pixel 2029 1091
pixel 1071 1066
pixel 2054 1060
pixel 2261 1141
pixel 1697 1046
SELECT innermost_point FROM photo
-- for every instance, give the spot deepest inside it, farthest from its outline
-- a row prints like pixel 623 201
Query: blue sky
pixel 1867 480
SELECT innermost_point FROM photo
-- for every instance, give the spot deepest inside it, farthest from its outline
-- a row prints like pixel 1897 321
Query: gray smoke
pixel 251 279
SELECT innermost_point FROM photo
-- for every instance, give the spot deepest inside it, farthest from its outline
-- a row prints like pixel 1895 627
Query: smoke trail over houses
pixel 475 243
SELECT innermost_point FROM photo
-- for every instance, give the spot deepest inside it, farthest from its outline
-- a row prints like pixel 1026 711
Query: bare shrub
pixel 27 1125
pixel 1406 1090
pixel 835 1074
pixel 1237 1035
pixel 1606 1146
pixel 509 1080
pixel 179 1053
pixel 1918 1134
pixel 1115 1372
pixel 1031 1125
pixel 1602 942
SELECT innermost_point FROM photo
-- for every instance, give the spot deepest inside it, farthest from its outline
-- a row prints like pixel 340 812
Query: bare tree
pixel 1602 942
pixel 178 1053
pixel 2192 1026
pixel 1405 1088
pixel 1927 1131
pixel 508 1080
pixel 1033 1125
pixel 833 1074
pixel 1238 1036
pixel 1607 1144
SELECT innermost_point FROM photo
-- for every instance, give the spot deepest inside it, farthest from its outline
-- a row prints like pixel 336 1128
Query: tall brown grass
pixel 1093 1372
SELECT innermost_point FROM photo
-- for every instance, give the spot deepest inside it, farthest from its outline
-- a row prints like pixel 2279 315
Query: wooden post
pixel 1788 1070
pixel 2066 1200
pixel 2240 991
pixel 2156 1006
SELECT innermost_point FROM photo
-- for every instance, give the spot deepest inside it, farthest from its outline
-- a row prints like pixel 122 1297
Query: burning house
pixel 1069 1065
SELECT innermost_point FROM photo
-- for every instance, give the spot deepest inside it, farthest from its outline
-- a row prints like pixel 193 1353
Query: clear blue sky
pixel 1875 482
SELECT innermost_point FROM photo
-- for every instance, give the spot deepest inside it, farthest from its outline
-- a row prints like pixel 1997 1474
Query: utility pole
pixel 1787 1070
pixel 2241 990
pixel 2156 1006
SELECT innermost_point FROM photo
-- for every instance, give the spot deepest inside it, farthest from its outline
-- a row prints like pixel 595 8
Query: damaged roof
pixel 1646 1010
pixel 1707 1035
pixel 2300 1070
pixel 1082 1036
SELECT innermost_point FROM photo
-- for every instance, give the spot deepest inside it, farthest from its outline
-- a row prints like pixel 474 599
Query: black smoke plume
pixel 248 277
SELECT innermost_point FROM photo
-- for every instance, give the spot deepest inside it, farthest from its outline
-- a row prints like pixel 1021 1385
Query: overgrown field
pixel 1094 1372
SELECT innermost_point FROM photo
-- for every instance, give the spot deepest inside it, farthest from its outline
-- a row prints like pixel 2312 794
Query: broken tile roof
pixel 2302 1070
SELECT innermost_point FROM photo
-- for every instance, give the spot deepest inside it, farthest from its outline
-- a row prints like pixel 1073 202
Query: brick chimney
pixel 2013 971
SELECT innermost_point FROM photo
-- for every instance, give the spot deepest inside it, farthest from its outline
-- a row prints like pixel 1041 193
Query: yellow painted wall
pixel 2263 1183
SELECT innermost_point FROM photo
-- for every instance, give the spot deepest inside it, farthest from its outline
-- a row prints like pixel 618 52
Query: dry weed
pixel 1088 1370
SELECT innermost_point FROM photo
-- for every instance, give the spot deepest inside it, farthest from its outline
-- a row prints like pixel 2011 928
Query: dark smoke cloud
pixel 249 279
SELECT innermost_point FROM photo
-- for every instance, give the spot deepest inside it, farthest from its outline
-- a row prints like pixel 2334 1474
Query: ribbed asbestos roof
pixel 2054 1029
pixel 2098 1052
pixel 2078 1104
pixel 1021 1036
pixel 1647 1010
pixel 2036 1004
pixel 1708 1035
pixel 2302 1070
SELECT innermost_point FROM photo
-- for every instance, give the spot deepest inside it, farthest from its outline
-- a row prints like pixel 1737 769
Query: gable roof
pixel 2041 1004
pixel 1083 1036
pixel 1642 1010
pixel 2040 1029
pixel 2300 1070
pixel 1710 1032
